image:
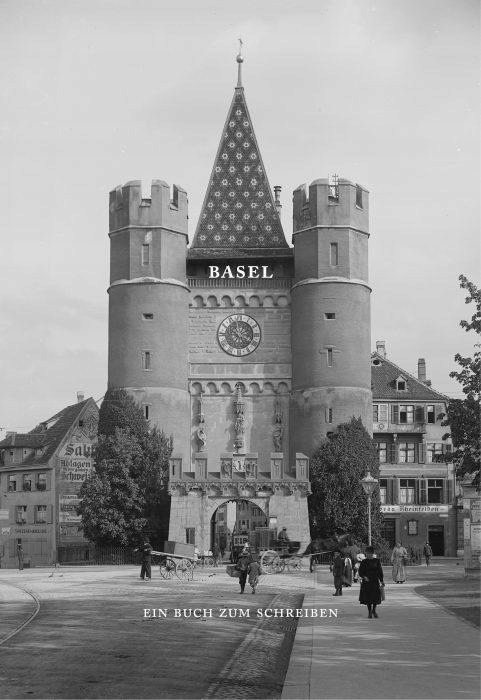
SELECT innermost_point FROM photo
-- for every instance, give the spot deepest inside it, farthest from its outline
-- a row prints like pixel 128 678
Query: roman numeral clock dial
pixel 239 335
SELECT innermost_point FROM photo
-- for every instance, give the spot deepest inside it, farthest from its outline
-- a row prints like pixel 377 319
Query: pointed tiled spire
pixel 239 217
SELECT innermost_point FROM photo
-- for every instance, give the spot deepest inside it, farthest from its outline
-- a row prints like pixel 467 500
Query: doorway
pixel 233 524
pixel 436 539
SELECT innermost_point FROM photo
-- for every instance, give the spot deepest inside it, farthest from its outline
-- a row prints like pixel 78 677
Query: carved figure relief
pixel 239 407
pixel 200 431
pixel 278 432
pixel 226 468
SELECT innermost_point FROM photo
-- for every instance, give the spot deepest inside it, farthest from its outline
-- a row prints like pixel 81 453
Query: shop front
pixel 414 525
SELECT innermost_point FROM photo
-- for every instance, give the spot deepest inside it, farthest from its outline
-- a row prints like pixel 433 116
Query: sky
pixel 96 93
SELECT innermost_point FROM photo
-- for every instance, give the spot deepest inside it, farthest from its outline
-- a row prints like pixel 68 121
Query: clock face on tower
pixel 239 335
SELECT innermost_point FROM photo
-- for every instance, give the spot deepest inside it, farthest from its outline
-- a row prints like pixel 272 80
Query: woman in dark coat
pixel 372 578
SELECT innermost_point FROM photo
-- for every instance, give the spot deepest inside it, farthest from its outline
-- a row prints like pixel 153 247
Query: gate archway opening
pixel 233 523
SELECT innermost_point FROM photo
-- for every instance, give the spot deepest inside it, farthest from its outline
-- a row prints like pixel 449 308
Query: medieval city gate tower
pixel 246 350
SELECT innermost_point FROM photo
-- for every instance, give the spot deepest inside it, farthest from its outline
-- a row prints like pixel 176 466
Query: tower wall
pixel 331 374
pixel 148 304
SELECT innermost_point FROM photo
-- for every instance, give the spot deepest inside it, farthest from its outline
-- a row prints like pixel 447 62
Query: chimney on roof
pixel 381 347
pixel 80 396
pixel 422 369
pixel 422 372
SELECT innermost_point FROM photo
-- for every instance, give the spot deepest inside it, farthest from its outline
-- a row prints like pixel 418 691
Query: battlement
pixel 128 208
pixel 337 203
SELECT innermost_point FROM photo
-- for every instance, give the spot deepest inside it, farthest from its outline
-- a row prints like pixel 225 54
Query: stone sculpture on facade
pixel 239 407
pixel 278 431
pixel 201 434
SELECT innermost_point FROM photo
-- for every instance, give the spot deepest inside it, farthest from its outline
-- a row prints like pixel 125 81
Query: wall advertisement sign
pixel 415 509
pixel 67 508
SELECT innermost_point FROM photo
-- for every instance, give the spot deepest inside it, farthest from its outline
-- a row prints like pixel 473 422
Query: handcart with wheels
pixel 178 561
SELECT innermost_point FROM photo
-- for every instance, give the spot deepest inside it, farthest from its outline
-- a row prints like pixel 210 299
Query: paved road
pixel 90 638
pixel 416 649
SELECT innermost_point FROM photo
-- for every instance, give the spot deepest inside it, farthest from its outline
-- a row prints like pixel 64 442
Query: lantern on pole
pixel 369 484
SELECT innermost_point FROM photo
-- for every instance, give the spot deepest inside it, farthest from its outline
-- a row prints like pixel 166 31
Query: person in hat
pixel 146 552
pixel 337 569
pixel 283 537
pixel 372 580
pixel 242 566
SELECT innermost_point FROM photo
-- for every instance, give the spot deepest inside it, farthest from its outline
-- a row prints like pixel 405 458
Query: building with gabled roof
pixel 417 479
pixel 41 473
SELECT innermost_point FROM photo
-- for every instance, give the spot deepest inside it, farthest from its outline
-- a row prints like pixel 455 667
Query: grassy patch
pixel 457 594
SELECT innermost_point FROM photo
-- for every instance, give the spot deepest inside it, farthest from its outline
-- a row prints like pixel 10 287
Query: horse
pixel 325 545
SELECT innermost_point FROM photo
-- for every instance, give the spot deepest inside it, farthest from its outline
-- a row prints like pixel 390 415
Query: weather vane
pixel 239 60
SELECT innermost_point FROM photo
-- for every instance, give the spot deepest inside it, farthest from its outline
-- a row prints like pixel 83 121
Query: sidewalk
pixel 414 650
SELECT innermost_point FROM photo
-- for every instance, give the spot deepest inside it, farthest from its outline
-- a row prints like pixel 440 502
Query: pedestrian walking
pixel 254 571
pixel 146 552
pixel 399 559
pixel 359 558
pixel 215 554
pixel 347 573
pixel 245 558
pixel 20 555
pixel 428 552
pixel 337 569
pixel 372 581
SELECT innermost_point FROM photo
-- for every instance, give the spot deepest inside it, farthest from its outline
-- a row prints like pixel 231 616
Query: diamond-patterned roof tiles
pixel 239 216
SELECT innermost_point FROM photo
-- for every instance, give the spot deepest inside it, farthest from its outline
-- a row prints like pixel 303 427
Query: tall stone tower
pixel 149 304
pixel 246 350
pixel 331 325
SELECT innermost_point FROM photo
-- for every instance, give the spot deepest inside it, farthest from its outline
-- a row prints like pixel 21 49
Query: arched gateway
pixel 244 349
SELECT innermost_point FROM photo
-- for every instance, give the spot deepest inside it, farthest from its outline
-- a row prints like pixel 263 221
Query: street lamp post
pixel 369 484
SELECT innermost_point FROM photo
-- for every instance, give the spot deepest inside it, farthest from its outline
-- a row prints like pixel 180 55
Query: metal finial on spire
pixel 240 60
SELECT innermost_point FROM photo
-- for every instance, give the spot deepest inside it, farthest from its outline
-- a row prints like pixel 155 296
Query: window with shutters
pixel 435 490
pixel 395 413
pixel 406 452
pixel 21 515
pixel 422 491
pixel 434 452
pixel 41 481
pixel 419 414
pixel 431 414
pixel 27 482
pixel 382 452
pixel 40 514
pixel 380 413
pixel 383 491
pixel 393 453
pixel 12 482
pixel 407 491
pixel 406 414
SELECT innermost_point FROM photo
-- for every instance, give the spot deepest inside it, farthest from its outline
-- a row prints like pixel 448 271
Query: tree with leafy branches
pixel 125 498
pixel 463 415
pixel 338 502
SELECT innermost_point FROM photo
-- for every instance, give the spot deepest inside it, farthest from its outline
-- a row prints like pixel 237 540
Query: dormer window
pixel 401 384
